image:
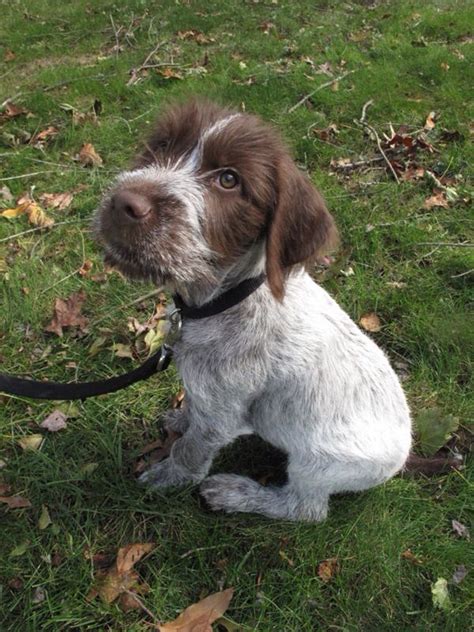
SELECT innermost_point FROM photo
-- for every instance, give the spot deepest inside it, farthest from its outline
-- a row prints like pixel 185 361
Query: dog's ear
pixel 300 228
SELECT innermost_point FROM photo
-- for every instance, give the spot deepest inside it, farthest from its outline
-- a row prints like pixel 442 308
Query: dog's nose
pixel 133 205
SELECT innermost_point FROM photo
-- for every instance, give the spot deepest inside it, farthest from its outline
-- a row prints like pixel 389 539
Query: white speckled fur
pixel 299 373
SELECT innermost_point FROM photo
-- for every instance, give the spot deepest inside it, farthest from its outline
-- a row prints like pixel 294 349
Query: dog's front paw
pixel 230 492
pixel 166 474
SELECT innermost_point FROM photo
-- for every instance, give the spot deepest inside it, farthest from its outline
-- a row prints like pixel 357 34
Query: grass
pixel 399 52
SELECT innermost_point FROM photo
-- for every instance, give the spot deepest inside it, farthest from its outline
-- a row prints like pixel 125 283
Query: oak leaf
pixel 200 616
pixel 67 313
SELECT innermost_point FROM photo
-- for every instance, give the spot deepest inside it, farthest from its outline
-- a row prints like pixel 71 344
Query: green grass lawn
pixel 411 265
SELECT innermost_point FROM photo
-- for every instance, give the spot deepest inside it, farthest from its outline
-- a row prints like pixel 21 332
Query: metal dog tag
pixel 175 324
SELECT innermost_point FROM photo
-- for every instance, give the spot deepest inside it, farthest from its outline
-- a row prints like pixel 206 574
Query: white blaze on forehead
pixel 180 179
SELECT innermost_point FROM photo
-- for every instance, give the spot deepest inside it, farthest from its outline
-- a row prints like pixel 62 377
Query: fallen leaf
pixel 129 601
pixel 67 313
pixel 370 322
pixel 266 26
pixel 460 529
pixel 327 133
pixel 20 549
pixel 27 206
pixel 430 121
pixel 197 36
pixel 86 267
pixel 438 199
pixel 89 157
pixel 15 502
pixel 16 583
pixel 40 139
pixel 327 569
pixel 89 468
pixel 121 576
pixel 44 519
pixel 440 594
pixel 411 557
pixel 5 194
pixel 459 574
pixel 31 442
pixel 434 428
pixel 285 558
pixel 12 111
pixel 200 616
pixel 169 73
pixel 412 173
pixel 54 421
pixel 59 201
pixel 39 595
pixel 444 66
pixel 5 488
pixel 178 400
pixel 9 55
pixel 122 351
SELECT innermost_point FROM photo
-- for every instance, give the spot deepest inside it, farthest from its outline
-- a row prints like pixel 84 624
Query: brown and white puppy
pixel 213 200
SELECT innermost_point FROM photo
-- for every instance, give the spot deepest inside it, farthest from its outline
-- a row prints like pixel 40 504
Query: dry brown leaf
pixel 55 421
pixel 15 502
pixel 200 616
pixel 327 133
pixel 44 135
pixel 89 157
pixel 411 557
pixel 327 569
pixel 197 36
pixel 67 313
pixel 27 206
pixel 86 267
pixel 430 121
pixel 412 173
pixel 169 73
pixel 9 55
pixel 12 111
pixel 178 400
pixel 438 199
pixel 121 576
pixel 370 322
pixel 58 201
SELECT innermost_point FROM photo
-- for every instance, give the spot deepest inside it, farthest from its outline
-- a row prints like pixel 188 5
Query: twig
pixel 134 72
pixel 358 163
pixel 140 299
pixel 446 243
pixel 364 110
pixel 66 82
pixel 321 87
pixel 37 228
pixel 462 274
pixel 142 606
pixel 25 175
pixel 379 145
pixel 9 100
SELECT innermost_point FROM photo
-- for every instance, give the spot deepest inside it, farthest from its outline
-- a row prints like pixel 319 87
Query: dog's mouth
pixel 132 265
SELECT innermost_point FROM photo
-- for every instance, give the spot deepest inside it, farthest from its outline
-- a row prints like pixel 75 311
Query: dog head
pixel 214 195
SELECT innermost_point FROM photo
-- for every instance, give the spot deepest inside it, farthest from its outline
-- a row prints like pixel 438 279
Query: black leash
pixel 156 363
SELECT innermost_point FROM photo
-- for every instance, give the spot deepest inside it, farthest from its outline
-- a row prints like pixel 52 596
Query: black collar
pixel 221 303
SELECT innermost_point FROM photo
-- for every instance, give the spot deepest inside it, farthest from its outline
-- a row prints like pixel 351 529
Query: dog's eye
pixel 162 144
pixel 228 179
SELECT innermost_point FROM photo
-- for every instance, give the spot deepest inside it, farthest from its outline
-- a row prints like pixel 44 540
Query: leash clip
pixel 175 325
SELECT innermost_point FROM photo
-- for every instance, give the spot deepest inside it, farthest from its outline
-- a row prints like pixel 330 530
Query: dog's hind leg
pixel 305 497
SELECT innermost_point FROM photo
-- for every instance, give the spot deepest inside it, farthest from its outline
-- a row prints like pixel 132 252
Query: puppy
pixel 215 199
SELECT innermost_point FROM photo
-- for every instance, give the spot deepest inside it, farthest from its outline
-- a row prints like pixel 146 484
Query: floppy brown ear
pixel 300 229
